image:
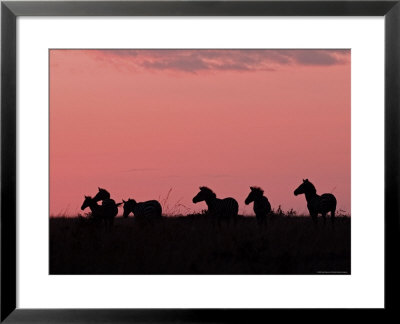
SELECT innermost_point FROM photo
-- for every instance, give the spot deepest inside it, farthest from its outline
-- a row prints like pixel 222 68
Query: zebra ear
pixel 304 180
pixel 251 188
pixel 123 201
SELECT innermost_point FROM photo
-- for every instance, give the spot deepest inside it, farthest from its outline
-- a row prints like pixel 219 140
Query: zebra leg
pixel 219 221
pixel 258 221
pixel 235 219
pixel 333 217
pixel 265 220
pixel 324 217
pixel 105 224
pixel 314 217
pixel 214 222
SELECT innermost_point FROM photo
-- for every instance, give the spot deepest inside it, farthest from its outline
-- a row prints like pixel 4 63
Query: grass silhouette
pixel 195 244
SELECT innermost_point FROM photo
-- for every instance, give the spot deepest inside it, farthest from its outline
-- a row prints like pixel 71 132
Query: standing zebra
pixel 226 208
pixel 317 204
pixel 102 195
pixel 261 205
pixel 104 212
pixel 147 210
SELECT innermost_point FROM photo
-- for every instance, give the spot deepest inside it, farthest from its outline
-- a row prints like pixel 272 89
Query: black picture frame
pixel 10 10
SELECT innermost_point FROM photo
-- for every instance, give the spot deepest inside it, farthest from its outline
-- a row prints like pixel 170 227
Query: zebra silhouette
pixel 317 204
pixel 221 209
pixel 148 210
pixel 105 212
pixel 261 205
pixel 103 194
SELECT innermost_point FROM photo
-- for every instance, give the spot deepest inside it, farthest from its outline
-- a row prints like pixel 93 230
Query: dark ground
pixel 195 245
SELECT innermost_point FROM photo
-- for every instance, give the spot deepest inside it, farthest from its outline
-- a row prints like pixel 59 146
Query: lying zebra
pixel 221 209
pixel 105 212
pixel 261 205
pixel 317 204
pixel 147 210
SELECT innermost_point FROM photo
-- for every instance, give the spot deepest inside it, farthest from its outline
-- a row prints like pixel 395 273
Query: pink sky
pixel 140 122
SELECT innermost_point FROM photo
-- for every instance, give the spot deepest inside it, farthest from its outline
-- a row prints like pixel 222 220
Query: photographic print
pixel 200 161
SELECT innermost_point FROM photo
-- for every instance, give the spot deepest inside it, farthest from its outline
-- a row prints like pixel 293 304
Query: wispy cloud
pixel 216 175
pixel 194 61
pixel 141 169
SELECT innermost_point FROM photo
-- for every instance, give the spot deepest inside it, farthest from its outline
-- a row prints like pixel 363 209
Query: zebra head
pixel 103 194
pixel 128 206
pixel 305 188
pixel 87 202
pixel 204 195
pixel 255 193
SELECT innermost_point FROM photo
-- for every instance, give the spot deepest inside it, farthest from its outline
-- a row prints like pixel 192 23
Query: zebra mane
pixel 257 190
pixel 313 187
pixel 310 186
pixel 208 191
pixel 103 190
